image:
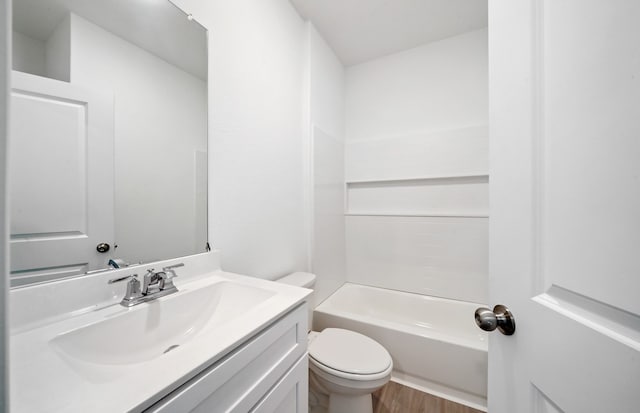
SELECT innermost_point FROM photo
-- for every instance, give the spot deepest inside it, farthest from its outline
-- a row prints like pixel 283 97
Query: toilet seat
pixel 350 355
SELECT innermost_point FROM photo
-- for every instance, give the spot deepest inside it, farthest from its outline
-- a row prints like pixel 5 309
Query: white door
pixel 565 205
pixel 61 178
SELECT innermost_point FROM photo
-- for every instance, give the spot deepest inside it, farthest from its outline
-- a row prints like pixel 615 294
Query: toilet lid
pixel 349 352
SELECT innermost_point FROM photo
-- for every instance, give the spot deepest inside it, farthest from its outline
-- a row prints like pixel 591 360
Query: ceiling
pixel 361 30
pixel 154 25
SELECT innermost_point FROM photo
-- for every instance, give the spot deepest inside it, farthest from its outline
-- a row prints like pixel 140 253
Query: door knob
pixel 500 318
pixel 103 247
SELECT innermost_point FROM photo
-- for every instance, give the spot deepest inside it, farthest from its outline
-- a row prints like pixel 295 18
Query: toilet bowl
pixel 348 367
pixel 345 366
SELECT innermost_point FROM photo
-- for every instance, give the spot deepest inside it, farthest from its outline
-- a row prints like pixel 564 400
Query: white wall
pixel 417 169
pixel 29 54
pixel 437 86
pixel 327 77
pixel 257 134
pixel 160 125
pixel 58 52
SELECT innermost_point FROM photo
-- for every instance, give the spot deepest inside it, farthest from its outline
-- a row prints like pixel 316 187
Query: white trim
pixel 5 72
pixel 438 390
pixel 426 215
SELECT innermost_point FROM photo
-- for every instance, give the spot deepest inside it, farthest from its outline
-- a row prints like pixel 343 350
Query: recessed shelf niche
pixel 451 196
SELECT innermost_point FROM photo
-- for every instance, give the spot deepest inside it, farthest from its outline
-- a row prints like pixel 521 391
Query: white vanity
pixel 223 342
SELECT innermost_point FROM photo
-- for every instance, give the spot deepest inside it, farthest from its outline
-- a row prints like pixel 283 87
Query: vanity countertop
pixel 45 378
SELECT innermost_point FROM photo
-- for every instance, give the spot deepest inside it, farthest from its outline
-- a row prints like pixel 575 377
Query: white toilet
pixel 345 366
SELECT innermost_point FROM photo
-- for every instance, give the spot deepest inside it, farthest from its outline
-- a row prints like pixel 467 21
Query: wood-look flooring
pixel 396 398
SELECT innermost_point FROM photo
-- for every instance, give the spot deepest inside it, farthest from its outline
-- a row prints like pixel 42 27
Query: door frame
pixel 5 72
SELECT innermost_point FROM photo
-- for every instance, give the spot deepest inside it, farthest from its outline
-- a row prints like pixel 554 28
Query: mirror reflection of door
pixel 61 174
pixel 144 189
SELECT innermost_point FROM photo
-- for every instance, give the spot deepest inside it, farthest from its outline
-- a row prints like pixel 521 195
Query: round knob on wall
pixel 500 318
pixel 103 247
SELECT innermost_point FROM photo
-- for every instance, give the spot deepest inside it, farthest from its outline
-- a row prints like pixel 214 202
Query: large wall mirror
pixel 108 138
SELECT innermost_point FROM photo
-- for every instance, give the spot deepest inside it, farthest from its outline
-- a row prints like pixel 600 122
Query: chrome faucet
pixel 154 282
pixel 154 285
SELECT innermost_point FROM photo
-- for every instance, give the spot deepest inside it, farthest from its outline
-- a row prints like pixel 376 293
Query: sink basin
pixel 149 330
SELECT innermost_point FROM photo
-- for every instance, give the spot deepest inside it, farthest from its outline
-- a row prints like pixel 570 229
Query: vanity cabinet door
pixel 241 379
pixel 291 394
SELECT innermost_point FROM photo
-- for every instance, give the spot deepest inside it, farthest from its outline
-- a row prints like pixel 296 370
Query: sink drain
pixel 171 348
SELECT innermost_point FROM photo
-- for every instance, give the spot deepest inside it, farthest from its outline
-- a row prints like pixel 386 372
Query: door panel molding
pixel 542 404
pixel 603 318
pixel 48 236
pixel 538 139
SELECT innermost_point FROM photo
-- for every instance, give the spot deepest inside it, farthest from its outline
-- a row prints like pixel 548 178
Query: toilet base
pixel 340 403
pixel 330 397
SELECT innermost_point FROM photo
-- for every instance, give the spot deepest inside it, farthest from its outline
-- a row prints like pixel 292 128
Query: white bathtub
pixel 434 342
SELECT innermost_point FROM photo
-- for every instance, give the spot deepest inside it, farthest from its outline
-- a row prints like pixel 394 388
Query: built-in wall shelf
pixel 425 215
pixel 433 179
pixel 461 196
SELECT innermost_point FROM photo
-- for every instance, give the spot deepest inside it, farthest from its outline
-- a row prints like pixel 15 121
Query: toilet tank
pixel 305 280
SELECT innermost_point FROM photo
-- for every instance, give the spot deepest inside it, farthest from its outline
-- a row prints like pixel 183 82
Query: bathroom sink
pixel 149 330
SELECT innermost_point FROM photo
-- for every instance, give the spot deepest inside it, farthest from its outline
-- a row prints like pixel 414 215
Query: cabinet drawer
pixel 290 394
pixel 238 381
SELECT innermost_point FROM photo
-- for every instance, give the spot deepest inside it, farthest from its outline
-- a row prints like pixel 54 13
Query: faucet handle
pixel 170 267
pixel 171 270
pixel 125 278
pixel 133 288
pixel 167 276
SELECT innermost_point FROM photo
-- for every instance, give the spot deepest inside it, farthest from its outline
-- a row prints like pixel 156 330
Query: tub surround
pixel 434 343
pixel 417 213
pixel 327 117
pixel 46 379
pixel 417 169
